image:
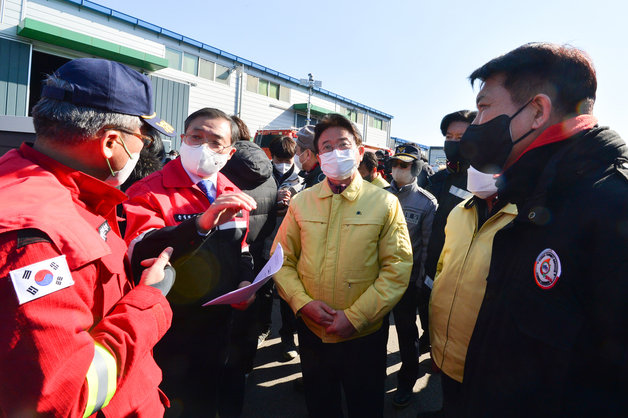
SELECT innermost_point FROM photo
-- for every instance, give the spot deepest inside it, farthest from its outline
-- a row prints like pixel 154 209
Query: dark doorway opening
pixel 41 65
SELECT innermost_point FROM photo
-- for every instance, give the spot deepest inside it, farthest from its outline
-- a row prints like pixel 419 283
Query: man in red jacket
pixel 76 334
pixel 160 212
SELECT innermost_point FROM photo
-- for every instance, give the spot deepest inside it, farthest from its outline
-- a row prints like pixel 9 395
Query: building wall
pixel 69 16
pixel 257 110
pixel 12 12
pixel 14 69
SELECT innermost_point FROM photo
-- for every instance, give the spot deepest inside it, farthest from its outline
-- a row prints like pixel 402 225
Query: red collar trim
pixel 561 131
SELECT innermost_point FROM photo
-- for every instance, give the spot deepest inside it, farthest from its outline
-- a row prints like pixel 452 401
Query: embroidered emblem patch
pixel 103 230
pixel 41 279
pixel 547 269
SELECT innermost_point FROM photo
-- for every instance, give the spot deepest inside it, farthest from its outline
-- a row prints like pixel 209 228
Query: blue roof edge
pixel 162 31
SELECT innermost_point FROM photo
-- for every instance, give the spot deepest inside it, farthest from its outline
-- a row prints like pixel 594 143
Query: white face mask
pixel 297 161
pixel 202 161
pixel 117 178
pixel 120 176
pixel 339 165
pixel 402 176
pixel 481 184
pixel 282 167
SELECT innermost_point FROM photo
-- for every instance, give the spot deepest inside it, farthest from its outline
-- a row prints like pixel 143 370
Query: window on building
pixel 174 58
pixel 352 115
pixel 284 94
pixel 206 69
pixel 376 123
pixel 222 74
pixel 190 64
pixel 262 87
pixel 273 90
pixel 302 120
pixel 252 83
pixel 267 88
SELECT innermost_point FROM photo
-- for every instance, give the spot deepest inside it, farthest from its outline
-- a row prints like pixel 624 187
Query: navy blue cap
pixel 108 85
pixel 406 153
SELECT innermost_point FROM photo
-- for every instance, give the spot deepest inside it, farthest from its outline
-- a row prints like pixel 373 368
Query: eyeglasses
pixel 147 140
pixel 197 140
pixel 341 146
pixel 400 164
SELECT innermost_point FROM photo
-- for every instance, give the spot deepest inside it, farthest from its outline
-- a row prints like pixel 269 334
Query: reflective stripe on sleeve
pixel 101 380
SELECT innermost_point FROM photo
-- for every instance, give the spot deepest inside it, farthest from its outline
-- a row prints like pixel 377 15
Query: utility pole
pixel 310 83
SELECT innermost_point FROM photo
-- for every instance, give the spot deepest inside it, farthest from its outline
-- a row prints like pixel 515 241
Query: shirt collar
pixel 350 192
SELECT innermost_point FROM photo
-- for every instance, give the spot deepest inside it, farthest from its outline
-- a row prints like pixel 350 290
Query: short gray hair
pixel 68 123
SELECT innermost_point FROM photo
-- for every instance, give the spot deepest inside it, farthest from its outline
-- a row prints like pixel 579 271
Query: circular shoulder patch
pixel 547 269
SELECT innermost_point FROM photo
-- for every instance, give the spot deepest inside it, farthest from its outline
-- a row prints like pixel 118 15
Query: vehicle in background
pixel 264 137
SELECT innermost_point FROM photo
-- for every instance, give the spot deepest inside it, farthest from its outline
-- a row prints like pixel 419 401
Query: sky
pixel 410 59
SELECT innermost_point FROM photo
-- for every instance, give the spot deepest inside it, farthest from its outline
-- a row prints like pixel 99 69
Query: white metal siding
pixel 71 17
pixel 12 12
pixel 205 93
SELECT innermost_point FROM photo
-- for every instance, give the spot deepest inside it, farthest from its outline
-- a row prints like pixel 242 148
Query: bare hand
pixel 341 326
pixel 283 196
pixel 225 207
pixel 319 312
pixel 244 305
pixel 154 273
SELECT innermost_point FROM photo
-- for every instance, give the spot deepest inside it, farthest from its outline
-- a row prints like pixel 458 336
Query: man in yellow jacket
pixel 347 262
pixel 460 280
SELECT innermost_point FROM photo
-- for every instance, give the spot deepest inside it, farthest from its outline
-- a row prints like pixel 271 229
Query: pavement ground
pixel 270 389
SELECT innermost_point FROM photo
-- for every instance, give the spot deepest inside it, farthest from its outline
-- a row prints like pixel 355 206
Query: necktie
pixel 204 185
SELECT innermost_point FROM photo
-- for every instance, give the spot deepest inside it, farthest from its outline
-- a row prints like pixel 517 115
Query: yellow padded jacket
pixel 460 284
pixel 350 250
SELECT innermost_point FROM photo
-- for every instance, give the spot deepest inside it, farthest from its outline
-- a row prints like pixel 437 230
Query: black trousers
pixel 452 397
pixel 408 335
pixel 356 366
pixel 192 357
pixel 288 322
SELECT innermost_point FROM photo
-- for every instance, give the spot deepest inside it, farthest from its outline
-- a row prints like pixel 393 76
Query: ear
pixel 232 151
pixel 107 142
pixel 360 153
pixel 542 105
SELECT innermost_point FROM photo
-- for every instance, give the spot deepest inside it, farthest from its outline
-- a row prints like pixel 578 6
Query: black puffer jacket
pixel 551 337
pixel 251 170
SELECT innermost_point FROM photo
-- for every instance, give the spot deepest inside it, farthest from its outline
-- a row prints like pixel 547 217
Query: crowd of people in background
pixel 513 255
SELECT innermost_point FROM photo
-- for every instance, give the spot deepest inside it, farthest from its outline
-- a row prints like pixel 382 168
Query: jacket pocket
pixel 360 237
pixel 546 322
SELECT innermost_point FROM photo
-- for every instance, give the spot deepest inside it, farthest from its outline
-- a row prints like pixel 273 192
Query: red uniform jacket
pixel 47 344
pixel 169 197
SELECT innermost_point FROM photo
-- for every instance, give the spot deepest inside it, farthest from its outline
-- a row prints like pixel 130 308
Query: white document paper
pixel 243 294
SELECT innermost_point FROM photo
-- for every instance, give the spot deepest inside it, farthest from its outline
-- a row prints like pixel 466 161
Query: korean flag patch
pixel 41 279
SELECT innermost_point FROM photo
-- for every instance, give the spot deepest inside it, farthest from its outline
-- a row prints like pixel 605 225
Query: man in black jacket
pixel 551 337
pixel 251 171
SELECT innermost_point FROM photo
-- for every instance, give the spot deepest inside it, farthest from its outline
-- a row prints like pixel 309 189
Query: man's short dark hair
pixel 212 113
pixel 282 147
pixel 564 73
pixel 369 161
pixel 245 135
pixel 332 120
pixel 466 116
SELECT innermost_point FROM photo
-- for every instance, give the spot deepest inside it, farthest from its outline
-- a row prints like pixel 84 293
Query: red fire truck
pixel 263 137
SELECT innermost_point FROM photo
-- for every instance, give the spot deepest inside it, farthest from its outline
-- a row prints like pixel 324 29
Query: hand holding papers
pixel 244 293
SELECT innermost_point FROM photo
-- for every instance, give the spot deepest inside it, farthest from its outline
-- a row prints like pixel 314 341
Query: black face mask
pixel 452 151
pixel 487 146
